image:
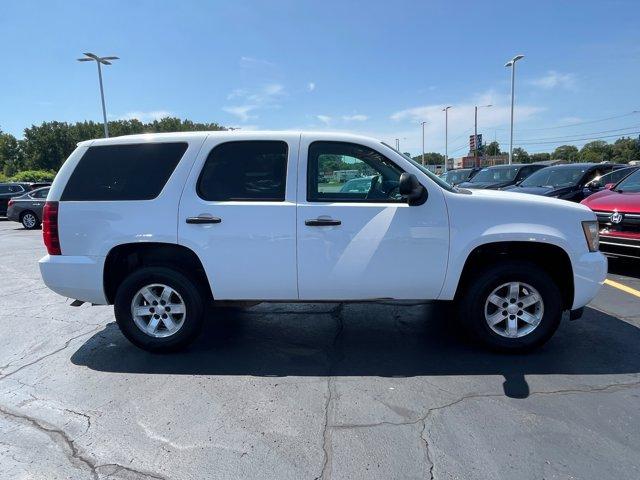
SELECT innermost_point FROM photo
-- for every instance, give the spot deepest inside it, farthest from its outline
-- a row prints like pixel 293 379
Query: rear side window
pixel 123 172
pixel 248 170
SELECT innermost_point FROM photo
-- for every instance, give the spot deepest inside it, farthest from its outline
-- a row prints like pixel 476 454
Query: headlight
pixel 592 235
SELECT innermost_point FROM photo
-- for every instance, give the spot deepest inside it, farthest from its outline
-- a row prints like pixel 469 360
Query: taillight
pixel 10 202
pixel 50 228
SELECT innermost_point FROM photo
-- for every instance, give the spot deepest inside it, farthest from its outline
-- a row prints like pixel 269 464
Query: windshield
pixel 554 177
pixel 631 184
pixel 453 177
pixel 495 174
pixel 424 169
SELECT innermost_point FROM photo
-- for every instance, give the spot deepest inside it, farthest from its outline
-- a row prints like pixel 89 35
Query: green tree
pixel 596 151
pixel 492 149
pixel 520 155
pixel 540 157
pixel 430 158
pixel 625 150
pixel 568 153
pixel 11 155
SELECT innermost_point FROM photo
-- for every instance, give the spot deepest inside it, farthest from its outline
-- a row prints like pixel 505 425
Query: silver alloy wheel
pixel 158 310
pixel 29 220
pixel 514 309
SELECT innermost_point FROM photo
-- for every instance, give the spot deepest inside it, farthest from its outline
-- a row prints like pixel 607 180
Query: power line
pixel 634 112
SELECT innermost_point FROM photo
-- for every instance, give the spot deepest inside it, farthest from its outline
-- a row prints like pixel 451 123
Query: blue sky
pixel 371 67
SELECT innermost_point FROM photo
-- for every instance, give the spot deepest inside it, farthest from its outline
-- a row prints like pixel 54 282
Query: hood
pixel 544 191
pixel 609 200
pixel 492 185
pixel 524 199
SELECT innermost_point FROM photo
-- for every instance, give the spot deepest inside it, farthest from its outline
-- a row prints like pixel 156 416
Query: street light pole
pixel 446 135
pixel 423 124
pixel 512 63
pixel 91 57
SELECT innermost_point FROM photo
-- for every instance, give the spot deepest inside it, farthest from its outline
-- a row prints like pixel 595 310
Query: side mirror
pixel 609 186
pixel 411 189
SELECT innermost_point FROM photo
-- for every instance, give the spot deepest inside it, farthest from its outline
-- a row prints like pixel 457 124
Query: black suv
pixel 10 190
pixel 500 176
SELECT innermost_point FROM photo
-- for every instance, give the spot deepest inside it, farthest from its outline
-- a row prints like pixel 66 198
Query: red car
pixel 618 212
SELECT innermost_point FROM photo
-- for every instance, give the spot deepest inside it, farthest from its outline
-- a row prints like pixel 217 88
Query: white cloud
pixel 145 116
pixel 355 118
pixel 311 86
pixel 326 119
pixel 554 79
pixel 251 100
pixel 255 62
pixel 491 121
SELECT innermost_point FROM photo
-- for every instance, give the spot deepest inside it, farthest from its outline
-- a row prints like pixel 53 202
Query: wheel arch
pixel 125 258
pixel 550 257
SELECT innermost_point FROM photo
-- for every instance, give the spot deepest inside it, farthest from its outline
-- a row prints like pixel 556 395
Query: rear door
pixel 238 213
pixel 358 245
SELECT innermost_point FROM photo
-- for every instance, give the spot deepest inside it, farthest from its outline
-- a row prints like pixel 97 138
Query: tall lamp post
pixel 446 135
pixel 512 63
pixel 91 57
pixel 475 131
pixel 423 124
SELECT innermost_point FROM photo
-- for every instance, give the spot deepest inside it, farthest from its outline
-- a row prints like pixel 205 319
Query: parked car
pixel 362 184
pixel 618 212
pixel 27 208
pixel 459 175
pixel 500 176
pixel 160 225
pixel 607 180
pixel 8 191
pixel 563 181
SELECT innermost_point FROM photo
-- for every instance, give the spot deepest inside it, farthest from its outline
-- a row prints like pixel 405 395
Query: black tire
pixel 180 283
pixel 28 214
pixel 471 305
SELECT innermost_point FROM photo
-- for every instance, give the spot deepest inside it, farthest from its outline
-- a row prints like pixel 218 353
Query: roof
pixel 231 134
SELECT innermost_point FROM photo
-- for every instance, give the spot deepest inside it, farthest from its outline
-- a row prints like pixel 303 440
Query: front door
pixel 357 238
pixel 238 213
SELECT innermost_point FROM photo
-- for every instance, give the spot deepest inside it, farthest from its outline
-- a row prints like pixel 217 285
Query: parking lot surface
pixel 301 391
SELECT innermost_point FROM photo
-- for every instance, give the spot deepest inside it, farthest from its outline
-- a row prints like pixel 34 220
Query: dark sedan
pixel 500 176
pixel 27 208
pixel 564 181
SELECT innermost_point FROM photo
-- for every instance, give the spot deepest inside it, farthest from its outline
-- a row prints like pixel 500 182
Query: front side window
pixel 630 184
pixel 348 172
pixel 123 172
pixel 245 171
pixel 500 174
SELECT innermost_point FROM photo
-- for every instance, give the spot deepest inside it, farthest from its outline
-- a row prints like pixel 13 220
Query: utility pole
pixel 91 57
pixel 475 132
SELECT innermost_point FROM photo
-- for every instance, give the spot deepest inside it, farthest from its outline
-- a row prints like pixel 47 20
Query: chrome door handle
pixel 203 220
pixel 322 222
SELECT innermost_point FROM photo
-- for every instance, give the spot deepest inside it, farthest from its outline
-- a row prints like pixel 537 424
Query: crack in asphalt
pixel 336 314
pixel 39 359
pixel 423 419
pixel 71 451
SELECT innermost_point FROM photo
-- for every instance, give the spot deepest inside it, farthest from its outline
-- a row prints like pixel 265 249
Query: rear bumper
pixel 589 273
pixel 76 277
pixel 13 214
pixel 619 245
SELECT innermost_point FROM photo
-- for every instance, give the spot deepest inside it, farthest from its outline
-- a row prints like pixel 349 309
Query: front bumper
pixel 76 277
pixel 589 273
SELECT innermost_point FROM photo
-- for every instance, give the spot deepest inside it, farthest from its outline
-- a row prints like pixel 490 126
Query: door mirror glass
pixel 411 189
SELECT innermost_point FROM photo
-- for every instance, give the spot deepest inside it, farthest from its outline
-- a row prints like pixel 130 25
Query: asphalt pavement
pixel 305 391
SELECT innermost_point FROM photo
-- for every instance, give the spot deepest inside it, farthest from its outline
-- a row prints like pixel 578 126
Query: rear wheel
pixel 29 220
pixel 513 307
pixel 159 309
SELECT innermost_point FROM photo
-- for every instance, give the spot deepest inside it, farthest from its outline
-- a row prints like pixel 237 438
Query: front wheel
pixel 159 309
pixel 512 307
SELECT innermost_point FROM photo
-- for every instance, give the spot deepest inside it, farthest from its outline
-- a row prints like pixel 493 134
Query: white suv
pixel 161 225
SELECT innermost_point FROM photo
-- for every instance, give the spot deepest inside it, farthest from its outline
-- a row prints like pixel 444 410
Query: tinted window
pixel 499 174
pixel 348 172
pixel 40 193
pixel 561 176
pixel 250 170
pixel 4 189
pixel 123 172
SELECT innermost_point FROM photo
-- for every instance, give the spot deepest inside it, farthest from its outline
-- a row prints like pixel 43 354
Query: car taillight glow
pixel 10 202
pixel 50 228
